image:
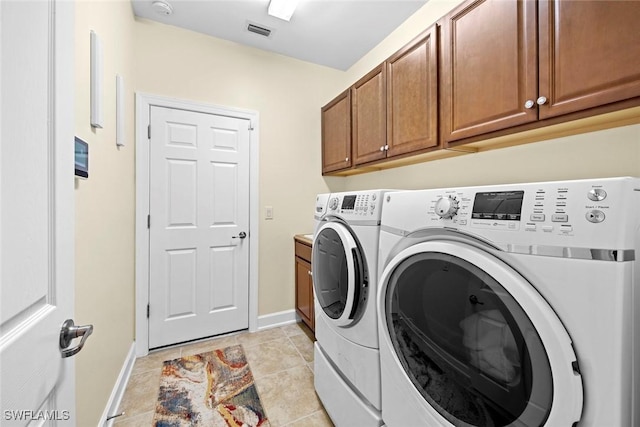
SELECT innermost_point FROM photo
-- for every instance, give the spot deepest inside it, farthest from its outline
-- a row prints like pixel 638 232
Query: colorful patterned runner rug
pixel 214 389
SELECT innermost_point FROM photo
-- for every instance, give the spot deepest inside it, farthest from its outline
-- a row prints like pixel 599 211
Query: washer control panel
pixel 570 213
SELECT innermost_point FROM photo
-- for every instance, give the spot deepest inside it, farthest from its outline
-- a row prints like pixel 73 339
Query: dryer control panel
pixel 322 200
pixel 359 205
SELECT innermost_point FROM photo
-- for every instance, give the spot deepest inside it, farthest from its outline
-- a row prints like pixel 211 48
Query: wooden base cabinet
pixel 304 282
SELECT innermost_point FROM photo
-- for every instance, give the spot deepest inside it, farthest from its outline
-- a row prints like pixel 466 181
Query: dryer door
pixel 339 279
pixel 476 339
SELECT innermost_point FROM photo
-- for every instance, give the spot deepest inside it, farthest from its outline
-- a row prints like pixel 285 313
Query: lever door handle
pixel 70 331
pixel 241 235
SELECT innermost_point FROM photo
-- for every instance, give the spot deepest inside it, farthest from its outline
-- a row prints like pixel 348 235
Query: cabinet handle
pixel 542 100
pixel 309 273
pixel 346 159
pixel 386 148
pixel 529 104
pixel 382 148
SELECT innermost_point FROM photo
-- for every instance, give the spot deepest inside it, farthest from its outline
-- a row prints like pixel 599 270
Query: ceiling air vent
pixel 259 30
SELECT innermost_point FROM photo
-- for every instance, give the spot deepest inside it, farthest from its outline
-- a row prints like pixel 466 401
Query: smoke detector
pixel 162 7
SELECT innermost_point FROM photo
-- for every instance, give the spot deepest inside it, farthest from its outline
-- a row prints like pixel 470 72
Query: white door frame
pixel 143 106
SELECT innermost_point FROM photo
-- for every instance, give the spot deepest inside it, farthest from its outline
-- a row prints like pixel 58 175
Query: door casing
pixel 143 104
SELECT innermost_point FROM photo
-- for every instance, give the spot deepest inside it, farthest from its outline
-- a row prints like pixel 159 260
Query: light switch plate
pixel 268 212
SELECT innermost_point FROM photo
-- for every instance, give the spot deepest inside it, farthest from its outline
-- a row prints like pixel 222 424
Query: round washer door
pixel 476 340
pixel 339 281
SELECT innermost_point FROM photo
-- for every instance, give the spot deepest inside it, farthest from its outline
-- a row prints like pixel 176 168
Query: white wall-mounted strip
pixel 97 116
pixel 120 111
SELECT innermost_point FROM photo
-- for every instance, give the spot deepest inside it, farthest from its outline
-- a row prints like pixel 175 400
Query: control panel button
pixel 560 218
pixel 537 217
pixel 530 227
pixel 547 228
pixel 597 194
pixel 595 216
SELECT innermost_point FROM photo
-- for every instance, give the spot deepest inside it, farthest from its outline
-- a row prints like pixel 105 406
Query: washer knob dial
pixel 446 207
pixel 333 204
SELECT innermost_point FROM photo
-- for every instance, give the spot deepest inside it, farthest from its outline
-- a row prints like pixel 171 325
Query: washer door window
pixel 460 322
pixel 339 277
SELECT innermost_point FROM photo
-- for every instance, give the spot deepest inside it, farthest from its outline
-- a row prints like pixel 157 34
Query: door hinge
pixel 149 131
pixel 148 310
pixel 149 221
pixel 250 126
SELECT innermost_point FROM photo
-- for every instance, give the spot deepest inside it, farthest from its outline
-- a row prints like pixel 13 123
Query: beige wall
pixel 287 94
pixel 104 211
pixel 612 152
pixel 167 61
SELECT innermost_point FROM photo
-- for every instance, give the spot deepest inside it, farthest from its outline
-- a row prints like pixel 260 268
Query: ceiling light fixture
pixel 162 7
pixel 282 9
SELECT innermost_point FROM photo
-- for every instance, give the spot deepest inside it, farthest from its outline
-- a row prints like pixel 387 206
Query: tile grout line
pixel 302 418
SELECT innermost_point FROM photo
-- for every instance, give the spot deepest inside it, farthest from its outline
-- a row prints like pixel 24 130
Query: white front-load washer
pixel 511 305
pixel 344 262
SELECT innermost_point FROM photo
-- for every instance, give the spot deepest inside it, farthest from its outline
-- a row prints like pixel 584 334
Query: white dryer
pixel 344 260
pixel 511 305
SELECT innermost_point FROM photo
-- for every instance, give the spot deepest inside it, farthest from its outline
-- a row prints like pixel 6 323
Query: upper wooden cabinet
pixel 394 109
pixel 508 63
pixel 336 133
pixel 369 116
pixel 489 67
pixel 412 96
pixel 589 54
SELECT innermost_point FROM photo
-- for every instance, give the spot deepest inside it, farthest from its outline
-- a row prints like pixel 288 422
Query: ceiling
pixel 333 33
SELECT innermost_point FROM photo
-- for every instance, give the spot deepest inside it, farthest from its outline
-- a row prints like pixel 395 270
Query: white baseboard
pixel 280 318
pixel 118 389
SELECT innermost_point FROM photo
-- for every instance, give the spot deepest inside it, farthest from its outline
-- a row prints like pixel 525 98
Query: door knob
pixel 70 331
pixel 241 235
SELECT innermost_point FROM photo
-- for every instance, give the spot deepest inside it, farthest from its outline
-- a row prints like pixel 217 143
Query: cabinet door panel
pixel 589 54
pixel 489 67
pixel 368 98
pixel 336 134
pixel 304 291
pixel 412 96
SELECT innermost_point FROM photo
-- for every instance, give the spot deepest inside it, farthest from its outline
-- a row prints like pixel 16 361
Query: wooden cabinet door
pixel 412 96
pixel 489 67
pixel 368 100
pixel 336 133
pixel 589 54
pixel 304 292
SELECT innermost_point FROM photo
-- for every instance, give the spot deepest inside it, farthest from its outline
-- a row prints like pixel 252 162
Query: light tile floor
pixel 281 360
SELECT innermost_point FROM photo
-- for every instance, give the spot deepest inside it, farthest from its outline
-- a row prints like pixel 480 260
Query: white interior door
pixel 199 213
pixel 37 207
